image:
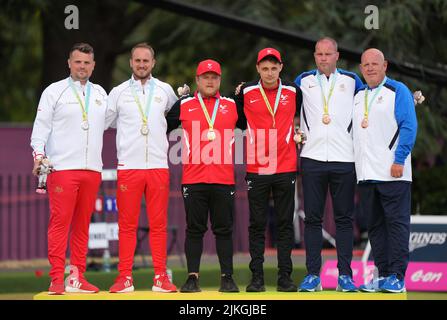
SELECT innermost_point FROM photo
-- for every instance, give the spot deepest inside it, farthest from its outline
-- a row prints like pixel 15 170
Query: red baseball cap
pixel 208 66
pixel 269 52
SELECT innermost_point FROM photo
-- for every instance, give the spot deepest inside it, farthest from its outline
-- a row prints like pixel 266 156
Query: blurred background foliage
pixel 34 45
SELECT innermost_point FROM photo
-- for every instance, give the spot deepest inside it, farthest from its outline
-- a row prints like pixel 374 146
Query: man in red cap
pixel 270 106
pixel 208 121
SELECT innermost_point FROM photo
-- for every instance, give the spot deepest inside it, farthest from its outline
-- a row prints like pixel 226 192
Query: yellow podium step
pixel 215 295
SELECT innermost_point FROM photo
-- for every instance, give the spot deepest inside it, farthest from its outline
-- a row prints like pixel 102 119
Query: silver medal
pixel 144 130
pixel 84 125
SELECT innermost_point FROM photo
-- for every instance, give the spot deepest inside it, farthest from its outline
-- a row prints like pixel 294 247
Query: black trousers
pixel 282 187
pixel 340 178
pixel 388 208
pixel 218 200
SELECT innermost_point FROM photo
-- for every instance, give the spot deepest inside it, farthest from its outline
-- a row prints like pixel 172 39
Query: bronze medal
pixel 365 123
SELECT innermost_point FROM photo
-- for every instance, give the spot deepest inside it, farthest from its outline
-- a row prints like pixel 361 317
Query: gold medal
pixel 144 130
pixel 365 123
pixel 326 119
pixel 211 135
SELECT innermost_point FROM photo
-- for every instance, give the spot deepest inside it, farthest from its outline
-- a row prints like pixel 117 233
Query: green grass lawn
pixel 19 282
pixel 24 285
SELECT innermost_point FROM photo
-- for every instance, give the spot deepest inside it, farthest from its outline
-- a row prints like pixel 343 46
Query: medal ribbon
pixel 368 106
pixel 144 113
pixel 205 111
pixel 267 103
pixel 86 99
pixel 331 90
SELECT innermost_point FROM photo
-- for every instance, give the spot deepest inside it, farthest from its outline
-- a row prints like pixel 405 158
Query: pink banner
pixel 420 276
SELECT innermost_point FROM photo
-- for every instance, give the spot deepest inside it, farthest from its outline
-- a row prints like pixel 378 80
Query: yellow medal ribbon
pixel 368 106
pixel 267 103
pixel 143 113
pixel 87 99
pixel 205 112
pixel 331 90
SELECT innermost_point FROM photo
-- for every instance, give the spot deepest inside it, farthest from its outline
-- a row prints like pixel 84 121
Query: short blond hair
pixel 144 45
pixel 334 43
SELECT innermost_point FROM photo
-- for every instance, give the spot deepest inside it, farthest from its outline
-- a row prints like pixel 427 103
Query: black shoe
pixel 227 284
pixel 191 284
pixel 285 284
pixel 256 284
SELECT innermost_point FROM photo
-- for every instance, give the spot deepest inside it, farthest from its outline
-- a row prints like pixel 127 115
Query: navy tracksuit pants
pixel 387 206
pixel 340 179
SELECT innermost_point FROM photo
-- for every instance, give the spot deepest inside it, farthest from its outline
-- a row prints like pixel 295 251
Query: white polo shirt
pixel 135 150
pixel 331 142
pixel 57 131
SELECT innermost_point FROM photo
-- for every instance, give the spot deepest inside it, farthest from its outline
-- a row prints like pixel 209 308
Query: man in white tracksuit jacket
pixel 138 107
pixel 385 128
pixel 68 129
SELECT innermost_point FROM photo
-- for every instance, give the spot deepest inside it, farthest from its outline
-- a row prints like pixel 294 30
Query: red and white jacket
pixel 270 149
pixel 205 161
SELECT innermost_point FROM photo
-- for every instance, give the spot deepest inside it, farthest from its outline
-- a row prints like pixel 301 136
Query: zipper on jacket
pixel 147 151
pixel 364 155
pixel 86 132
pixel 86 149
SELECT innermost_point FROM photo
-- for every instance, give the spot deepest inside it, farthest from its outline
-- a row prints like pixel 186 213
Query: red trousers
pixel 132 184
pixel 72 195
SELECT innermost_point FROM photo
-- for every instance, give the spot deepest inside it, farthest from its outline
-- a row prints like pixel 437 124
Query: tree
pixel 20 52
pixel 104 24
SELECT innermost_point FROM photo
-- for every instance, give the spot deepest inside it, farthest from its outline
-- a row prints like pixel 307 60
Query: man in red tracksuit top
pixel 208 121
pixel 270 106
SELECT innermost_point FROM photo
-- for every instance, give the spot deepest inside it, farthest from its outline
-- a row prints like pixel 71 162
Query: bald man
pixel 327 161
pixel 385 128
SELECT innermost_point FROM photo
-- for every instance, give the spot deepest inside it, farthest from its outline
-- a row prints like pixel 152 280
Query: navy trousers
pixel 340 179
pixel 388 208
